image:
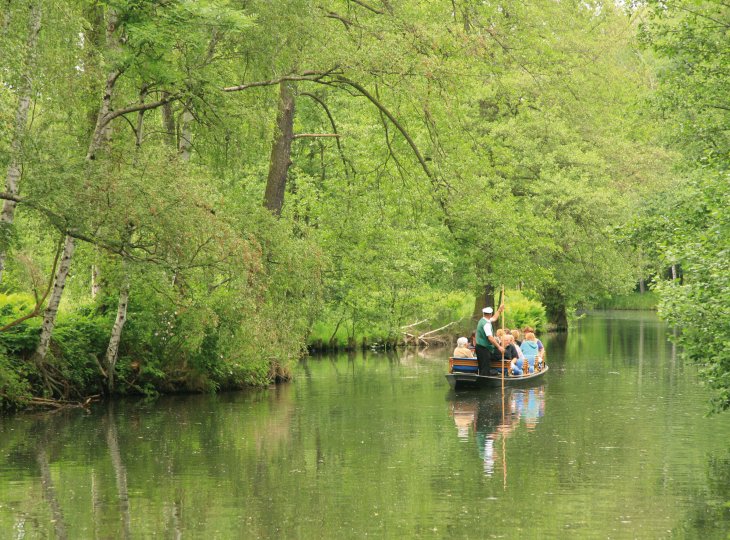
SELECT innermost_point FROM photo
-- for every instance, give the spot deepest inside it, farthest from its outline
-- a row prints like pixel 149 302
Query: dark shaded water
pixel 614 444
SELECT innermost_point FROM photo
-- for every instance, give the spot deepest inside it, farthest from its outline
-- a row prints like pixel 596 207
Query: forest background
pixel 196 191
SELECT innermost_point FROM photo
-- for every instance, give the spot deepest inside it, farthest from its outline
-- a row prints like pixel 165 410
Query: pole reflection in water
pixel 491 418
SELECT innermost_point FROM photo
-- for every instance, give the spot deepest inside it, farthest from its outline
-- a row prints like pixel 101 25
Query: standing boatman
pixel 488 348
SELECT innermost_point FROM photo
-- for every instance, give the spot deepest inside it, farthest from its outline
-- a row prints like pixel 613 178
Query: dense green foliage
pixel 688 225
pixel 522 311
pixel 409 156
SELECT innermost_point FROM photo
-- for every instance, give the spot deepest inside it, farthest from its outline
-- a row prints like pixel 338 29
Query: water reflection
pixel 374 445
pixel 494 416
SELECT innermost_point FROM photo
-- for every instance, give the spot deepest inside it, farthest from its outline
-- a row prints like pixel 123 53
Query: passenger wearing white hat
pixel 487 346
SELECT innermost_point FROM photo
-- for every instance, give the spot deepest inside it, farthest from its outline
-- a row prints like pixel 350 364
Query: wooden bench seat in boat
pixel 463 365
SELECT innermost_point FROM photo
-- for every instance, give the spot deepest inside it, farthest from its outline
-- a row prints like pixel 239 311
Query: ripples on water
pixel 614 443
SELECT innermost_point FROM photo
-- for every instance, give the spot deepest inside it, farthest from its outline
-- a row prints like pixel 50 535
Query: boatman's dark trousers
pixel 484 356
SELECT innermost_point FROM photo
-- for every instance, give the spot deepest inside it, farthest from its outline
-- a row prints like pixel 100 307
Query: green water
pixel 613 444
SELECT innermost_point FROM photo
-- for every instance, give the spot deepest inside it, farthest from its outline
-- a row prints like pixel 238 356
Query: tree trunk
pixel 168 121
pixel 642 286
pixel 97 138
pixel 95 281
pixel 186 135
pixel 113 348
pixel 556 308
pixel 101 129
pixel 139 131
pixel 21 119
pixel 49 317
pixel 281 150
pixel 483 299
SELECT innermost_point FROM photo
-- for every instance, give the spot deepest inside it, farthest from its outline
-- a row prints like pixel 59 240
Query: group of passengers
pixel 525 355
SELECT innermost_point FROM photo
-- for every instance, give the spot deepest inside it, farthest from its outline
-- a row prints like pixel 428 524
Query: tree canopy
pixel 219 181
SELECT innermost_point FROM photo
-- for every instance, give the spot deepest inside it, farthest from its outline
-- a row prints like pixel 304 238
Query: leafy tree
pixel 689 223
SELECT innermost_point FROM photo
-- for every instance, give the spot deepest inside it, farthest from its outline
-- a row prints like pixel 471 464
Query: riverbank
pixel 168 351
pixel 164 354
pixel 635 301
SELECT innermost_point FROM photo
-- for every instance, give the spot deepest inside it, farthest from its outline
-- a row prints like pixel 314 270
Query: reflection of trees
pixel 78 472
pixel 709 516
pixel 492 416
pixel 49 491
pixel 120 471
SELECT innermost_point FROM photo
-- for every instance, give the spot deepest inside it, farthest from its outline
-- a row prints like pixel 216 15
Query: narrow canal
pixel 614 443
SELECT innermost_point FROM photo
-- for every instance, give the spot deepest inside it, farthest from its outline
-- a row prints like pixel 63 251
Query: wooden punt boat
pixel 464 373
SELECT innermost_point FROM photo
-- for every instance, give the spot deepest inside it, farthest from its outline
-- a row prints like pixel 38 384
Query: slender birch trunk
pixel 97 138
pixel 12 180
pixel 101 129
pixel 49 317
pixel 281 150
pixel 112 351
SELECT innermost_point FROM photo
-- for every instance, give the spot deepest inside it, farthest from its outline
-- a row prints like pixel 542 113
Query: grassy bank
pixel 633 301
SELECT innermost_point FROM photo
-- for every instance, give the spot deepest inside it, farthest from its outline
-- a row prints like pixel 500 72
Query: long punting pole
pixel 502 365
pixel 504 434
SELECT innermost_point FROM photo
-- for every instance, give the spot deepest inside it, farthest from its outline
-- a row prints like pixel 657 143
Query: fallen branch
pixel 427 338
pixel 62 403
pixel 413 324
pixel 434 340
pixel 438 329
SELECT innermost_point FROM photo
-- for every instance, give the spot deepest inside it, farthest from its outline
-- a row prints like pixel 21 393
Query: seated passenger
pixel 541 353
pixel 516 366
pixel 472 342
pixel 499 334
pixel 462 351
pixel 516 334
pixel 530 350
pixel 510 349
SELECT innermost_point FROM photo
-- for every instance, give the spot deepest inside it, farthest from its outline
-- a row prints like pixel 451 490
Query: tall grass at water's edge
pixel 633 301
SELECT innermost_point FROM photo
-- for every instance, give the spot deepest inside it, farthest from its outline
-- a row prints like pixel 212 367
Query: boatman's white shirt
pixel 488 328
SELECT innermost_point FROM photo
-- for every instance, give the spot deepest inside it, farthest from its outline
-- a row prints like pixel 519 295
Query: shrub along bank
pixel 189 354
pixel 452 313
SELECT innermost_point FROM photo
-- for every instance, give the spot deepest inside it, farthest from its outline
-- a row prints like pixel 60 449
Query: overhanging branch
pixel 313 135
pixel 313 76
pixel 361 89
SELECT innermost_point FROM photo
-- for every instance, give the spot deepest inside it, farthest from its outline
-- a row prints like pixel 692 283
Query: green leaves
pixel 689 224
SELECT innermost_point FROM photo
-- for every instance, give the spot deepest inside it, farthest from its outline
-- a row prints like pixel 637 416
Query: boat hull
pixel 458 381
